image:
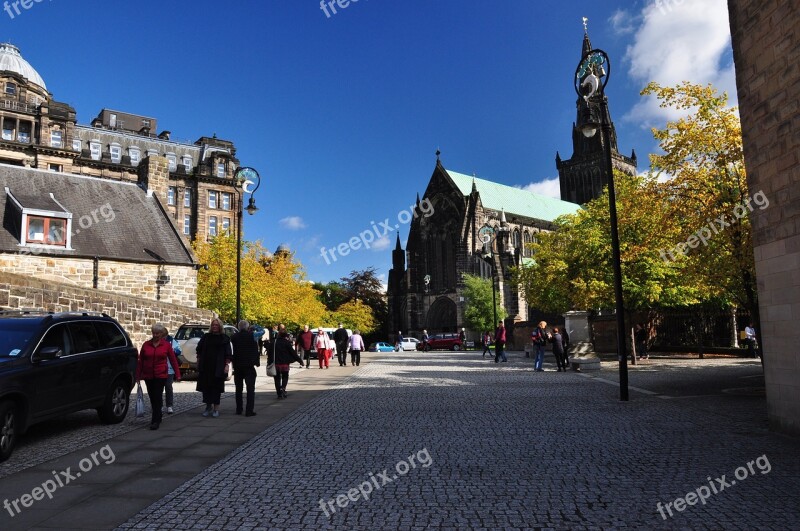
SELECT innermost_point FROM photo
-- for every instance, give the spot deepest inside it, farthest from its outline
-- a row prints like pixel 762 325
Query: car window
pixel 57 336
pixel 84 337
pixel 15 335
pixel 110 335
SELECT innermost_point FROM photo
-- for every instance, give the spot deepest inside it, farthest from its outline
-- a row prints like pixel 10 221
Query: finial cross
pixel 585 28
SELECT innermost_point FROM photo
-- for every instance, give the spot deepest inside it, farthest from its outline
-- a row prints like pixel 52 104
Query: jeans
pixel 307 357
pixel 537 364
pixel 281 381
pixel 499 351
pixel 168 390
pixel 245 375
pixel 355 356
pixel 155 387
pixel 341 353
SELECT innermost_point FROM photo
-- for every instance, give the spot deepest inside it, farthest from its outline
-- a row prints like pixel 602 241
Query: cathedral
pixel 483 227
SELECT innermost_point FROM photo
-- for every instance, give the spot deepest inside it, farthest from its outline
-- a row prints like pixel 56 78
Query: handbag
pixel 272 370
pixel 139 401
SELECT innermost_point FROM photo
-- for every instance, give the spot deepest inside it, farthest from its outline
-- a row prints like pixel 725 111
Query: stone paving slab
pixel 502 448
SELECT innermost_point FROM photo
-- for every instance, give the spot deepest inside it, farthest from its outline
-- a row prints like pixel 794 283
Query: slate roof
pixel 110 219
pixel 498 197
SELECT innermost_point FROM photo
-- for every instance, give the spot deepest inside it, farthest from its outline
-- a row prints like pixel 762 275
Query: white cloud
pixel 623 22
pixel 548 187
pixel 381 244
pixel 292 223
pixel 680 40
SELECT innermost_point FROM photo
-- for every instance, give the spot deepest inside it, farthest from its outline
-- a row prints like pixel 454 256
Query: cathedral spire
pixel 587 44
pixel 397 246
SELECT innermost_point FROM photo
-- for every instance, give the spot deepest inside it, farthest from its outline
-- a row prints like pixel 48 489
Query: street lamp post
pixel 244 179
pixel 487 236
pixel 589 83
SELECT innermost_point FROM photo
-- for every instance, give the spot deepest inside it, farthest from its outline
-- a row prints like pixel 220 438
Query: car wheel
pixel 456 347
pixel 9 429
pixel 115 406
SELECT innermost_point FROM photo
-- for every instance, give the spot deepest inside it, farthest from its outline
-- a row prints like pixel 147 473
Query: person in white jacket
pixel 324 347
pixel 356 346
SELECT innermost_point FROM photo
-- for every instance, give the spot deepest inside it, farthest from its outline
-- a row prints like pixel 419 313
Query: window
pixel 76 144
pixel 112 120
pixel 212 199
pixel 84 337
pixel 24 133
pixel 226 201
pixel 187 198
pixel 226 224
pixel 110 335
pixel 526 240
pixel 50 231
pixel 11 88
pixel 173 161
pixel 8 129
pixel 54 167
pixel 94 149
pixel 55 139
pixel 116 152
pixel 171 196
pixel 212 226
pixel 187 163
pixel 135 155
pixel 221 169
pixel 187 224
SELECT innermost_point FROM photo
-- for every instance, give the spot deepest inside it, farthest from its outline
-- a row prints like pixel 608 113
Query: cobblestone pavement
pixel 451 441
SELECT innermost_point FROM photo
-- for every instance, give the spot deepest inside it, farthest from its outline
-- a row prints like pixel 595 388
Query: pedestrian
pixel 356 346
pixel 282 355
pixel 750 337
pixel 640 337
pixel 539 338
pixel 214 353
pixel 340 338
pixel 246 357
pixel 305 340
pixel 154 357
pixel 399 346
pixel 462 336
pixel 500 342
pixel 558 349
pixel 168 390
pixel 425 339
pixel 487 340
pixel 322 343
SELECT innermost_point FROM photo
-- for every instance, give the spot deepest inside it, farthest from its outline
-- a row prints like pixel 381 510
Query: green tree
pixel 478 314
pixel 365 286
pixel 356 315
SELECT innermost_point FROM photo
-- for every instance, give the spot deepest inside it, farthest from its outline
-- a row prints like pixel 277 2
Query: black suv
pixel 52 364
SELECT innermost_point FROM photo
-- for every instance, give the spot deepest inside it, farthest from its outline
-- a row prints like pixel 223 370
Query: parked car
pixel 411 343
pixel 381 347
pixel 53 364
pixel 443 342
pixel 187 336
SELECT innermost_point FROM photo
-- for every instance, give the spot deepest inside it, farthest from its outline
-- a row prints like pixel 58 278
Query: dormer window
pixel 94 149
pixel 187 163
pixel 116 153
pixel 135 155
pixel 221 169
pixel 173 161
pixel 55 139
pixel 76 144
pixel 41 221
pixel 11 88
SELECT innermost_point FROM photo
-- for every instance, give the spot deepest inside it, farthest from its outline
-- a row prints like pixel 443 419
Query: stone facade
pixel 134 314
pixel 168 284
pixel 766 51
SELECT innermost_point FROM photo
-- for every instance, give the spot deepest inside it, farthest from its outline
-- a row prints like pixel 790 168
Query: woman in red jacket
pixel 152 368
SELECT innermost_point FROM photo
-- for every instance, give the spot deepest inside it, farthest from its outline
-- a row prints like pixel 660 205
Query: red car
pixel 443 342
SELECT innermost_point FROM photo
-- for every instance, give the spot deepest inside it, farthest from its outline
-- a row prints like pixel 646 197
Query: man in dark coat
pixel 340 337
pixel 305 340
pixel 245 360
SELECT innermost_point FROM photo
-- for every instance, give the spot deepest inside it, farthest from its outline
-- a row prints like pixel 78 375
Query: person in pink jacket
pixel 322 343
pixel 151 367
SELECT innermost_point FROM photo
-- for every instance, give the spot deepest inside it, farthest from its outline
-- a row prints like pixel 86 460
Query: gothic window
pixel 515 241
pixel 526 240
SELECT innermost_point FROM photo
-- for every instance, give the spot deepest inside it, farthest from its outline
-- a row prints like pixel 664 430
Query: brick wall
pixel 766 52
pixel 136 315
pixel 135 280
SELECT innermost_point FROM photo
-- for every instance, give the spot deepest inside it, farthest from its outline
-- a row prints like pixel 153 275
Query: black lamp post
pixel 487 236
pixel 244 179
pixel 591 78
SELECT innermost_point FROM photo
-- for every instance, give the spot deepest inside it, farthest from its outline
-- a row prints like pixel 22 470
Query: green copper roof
pixel 513 200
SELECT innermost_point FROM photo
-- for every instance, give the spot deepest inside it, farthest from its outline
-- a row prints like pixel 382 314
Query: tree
pixel 478 314
pixel 365 286
pixel 356 315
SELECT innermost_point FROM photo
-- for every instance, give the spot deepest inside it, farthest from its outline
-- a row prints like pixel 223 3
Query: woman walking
pixel 356 346
pixel 323 345
pixel 282 354
pixel 214 352
pixel 154 358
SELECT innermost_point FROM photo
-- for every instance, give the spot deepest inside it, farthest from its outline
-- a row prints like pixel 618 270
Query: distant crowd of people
pixel 218 354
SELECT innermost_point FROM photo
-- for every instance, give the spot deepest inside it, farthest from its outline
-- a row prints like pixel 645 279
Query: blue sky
pixel 342 114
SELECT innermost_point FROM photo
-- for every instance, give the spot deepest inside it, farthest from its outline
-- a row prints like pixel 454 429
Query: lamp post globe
pixel 244 178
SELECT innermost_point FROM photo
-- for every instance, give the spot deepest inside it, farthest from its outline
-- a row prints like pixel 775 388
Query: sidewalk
pixel 148 465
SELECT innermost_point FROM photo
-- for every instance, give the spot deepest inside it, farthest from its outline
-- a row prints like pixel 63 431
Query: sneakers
pixel 170 410
pixel 207 412
pixel 215 414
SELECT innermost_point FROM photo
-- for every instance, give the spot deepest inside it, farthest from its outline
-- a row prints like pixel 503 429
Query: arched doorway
pixel 442 316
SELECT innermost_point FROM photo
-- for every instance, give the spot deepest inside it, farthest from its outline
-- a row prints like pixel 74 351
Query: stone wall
pixel 136 315
pixel 766 53
pixel 132 279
